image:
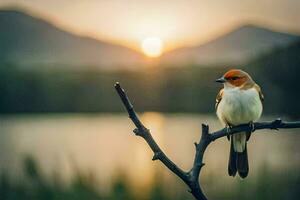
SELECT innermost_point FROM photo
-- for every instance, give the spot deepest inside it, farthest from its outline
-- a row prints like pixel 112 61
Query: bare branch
pixel 275 125
pixel 142 131
pixel 191 178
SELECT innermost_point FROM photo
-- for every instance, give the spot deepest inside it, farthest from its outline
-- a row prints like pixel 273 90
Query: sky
pixel 176 22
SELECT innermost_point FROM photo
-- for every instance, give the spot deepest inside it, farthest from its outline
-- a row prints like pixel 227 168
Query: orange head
pixel 235 78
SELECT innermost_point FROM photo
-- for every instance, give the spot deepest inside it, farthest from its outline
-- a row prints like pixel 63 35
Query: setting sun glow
pixel 152 47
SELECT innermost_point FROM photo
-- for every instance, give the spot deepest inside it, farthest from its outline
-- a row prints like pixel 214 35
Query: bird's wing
pixel 261 96
pixel 219 98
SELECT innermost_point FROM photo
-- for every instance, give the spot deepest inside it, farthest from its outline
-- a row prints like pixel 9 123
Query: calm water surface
pixel 105 145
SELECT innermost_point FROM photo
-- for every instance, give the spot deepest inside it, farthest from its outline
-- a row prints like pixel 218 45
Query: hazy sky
pixel 176 22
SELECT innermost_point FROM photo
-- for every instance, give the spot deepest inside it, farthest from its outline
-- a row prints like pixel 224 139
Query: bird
pixel 240 101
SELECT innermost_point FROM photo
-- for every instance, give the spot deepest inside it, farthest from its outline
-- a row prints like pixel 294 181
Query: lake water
pixel 105 145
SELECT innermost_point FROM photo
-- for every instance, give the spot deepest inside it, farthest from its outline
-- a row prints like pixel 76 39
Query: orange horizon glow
pixel 176 23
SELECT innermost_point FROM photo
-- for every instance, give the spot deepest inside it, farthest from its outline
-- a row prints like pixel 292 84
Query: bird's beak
pixel 221 80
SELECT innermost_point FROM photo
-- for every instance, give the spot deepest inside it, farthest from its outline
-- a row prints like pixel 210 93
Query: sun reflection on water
pixel 143 165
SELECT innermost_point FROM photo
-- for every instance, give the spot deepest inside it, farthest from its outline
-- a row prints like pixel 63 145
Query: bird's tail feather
pixel 238 161
pixel 242 164
pixel 239 141
pixel 232 169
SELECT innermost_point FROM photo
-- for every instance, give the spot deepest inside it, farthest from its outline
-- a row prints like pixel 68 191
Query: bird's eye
pixel 234 78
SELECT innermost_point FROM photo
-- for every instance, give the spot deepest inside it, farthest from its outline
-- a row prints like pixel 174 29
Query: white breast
pixel 239 106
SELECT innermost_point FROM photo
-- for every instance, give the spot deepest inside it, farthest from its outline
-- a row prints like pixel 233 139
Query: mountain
pixel 236 47
pixel 30 40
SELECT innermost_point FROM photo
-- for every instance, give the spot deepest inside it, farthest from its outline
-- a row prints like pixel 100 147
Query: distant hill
pixel 29 40
pixel 32 41
pixel 236 47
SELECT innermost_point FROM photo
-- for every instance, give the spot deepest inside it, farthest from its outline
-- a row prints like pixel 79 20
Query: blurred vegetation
pixel 157 88
pixel 267 185
pixel 279 74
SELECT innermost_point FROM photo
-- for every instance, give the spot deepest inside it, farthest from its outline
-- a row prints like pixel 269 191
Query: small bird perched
pixel 239 102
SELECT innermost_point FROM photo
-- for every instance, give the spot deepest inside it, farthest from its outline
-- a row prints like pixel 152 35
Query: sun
pixel 152 47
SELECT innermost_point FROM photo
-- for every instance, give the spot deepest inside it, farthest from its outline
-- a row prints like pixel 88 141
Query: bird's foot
pixel 228 130
pixel 252 126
